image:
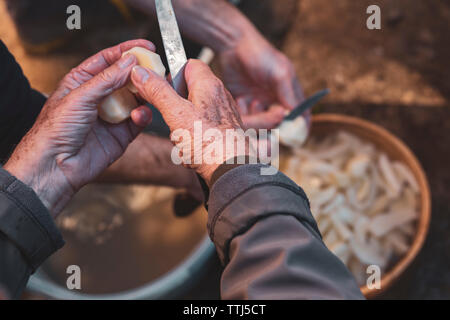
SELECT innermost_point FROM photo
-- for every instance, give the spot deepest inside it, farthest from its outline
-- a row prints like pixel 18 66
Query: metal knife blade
pixel 307 104
pixel 173 44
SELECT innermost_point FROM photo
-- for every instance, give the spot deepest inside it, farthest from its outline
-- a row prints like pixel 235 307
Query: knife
pixel 173 44
pixel 307 104
pixel 183 204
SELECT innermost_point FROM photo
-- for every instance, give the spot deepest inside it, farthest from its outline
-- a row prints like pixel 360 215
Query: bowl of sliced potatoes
pixel 368 193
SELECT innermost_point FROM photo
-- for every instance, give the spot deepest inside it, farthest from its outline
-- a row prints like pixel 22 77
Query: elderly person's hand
pixel 262 80
pixel 209 104
pixel 69 145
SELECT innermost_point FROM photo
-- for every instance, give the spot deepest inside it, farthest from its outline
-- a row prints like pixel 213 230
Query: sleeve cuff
pixel 26 222
pixel 242 196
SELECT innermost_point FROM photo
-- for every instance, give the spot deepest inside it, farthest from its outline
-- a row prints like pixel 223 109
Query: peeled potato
pixel 146 59
pixel 118 106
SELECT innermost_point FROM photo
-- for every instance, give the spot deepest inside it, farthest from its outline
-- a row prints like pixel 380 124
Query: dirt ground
pixel 405 63
pixel 396 76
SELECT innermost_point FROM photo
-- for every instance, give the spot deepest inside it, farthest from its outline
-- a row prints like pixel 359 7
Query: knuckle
pixel 282 73
pixel 107 76
pixel 216 85
pixel 155 90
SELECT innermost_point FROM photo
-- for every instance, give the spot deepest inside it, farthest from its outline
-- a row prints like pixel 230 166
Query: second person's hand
pixel 262 80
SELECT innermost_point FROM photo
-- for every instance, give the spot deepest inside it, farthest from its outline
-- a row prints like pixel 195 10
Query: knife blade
pixel 307 104
pixel 173 44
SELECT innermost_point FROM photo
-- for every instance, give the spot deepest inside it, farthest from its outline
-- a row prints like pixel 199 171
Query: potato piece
pixel 384 223
pixel 408 230
pixel 367 253
pixel 380 205
pixel 361 229
pixel 341 228
pixel 324 224
pixel 330 238
pixel 364 190
pixel 398 242
pixel 342 251
pixel 338 150
pixel 147 59
pixel 293 133
pixel 358 165
pixel 346 215
pixel 406 175
pixel 338 201
pixel 340 179
pixel 389 176
pixel 325 196
pixel 411 197
pixel 292 168
pixel 118 106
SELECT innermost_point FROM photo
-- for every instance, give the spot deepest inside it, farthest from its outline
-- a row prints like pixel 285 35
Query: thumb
pixel 290 93
pixel 157 91
pixel 92 92
pixel 288 89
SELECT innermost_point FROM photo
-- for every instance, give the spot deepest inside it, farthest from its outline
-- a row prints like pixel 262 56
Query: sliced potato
pixel 365 204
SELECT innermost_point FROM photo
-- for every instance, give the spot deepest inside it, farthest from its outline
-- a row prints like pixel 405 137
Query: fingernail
pixel 126 61
pixel 141 74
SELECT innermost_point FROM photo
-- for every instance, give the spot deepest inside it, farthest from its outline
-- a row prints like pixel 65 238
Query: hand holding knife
pixel 177 59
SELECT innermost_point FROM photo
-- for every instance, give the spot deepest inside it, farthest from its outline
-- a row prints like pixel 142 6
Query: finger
pixel 242 106
pixel 197 72
pixel 128 130
pixel 96 64
pixel 265 120
pixel 123 133
pixel 158 92
pixel 256 106
pixel 200 79
pixel 137 128
pixel 203 86
pixel 104 59
pixel 91 93
pixel 290 92
pixel 141 116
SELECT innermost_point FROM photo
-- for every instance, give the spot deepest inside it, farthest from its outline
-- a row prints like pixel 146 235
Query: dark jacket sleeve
pixel 19 104
pixel 269 242
pixel 28 235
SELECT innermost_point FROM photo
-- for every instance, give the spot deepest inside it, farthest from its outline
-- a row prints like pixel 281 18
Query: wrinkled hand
pixel 69 146
pixel 262 80
pixel 209 103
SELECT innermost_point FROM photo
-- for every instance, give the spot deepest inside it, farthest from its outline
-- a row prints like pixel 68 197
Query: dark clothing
pixel 269 242
pixel 262 226
pixel 19 104
pixel 28 235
